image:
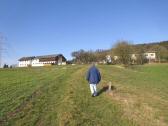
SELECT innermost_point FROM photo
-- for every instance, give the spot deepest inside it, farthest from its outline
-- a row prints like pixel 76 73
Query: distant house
pixel 134 56
pixel 44 60
pixel 108 59
pixel 150 55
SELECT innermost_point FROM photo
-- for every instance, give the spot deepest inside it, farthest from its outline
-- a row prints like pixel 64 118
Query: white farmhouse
pixel 42 60
pixel 150 55
pixel 108 59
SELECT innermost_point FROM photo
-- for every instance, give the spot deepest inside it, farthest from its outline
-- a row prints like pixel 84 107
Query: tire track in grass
pixel 52 114
pixel 42 110
pixel 25 107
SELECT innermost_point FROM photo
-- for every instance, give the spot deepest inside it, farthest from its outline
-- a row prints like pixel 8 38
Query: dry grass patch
pixel 136 108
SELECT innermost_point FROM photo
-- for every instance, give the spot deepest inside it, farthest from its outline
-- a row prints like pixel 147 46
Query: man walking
pixel 93 77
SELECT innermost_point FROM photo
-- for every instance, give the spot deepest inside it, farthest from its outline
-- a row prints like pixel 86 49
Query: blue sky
pixel 39 27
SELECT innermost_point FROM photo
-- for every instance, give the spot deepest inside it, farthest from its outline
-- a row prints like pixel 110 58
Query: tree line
pixel 122 53
pixel 87 57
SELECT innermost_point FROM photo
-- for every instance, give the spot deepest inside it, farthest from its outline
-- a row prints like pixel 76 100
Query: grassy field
pixel 60 95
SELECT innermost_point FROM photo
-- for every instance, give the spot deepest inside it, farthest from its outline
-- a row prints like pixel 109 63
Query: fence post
pixel 109 86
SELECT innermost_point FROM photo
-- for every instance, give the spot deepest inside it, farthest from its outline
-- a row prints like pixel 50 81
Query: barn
pixel 45 60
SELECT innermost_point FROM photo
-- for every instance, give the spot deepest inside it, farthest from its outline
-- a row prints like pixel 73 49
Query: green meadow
pixel 60 96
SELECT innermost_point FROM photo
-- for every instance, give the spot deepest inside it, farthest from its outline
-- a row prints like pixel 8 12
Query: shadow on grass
pixel 106 89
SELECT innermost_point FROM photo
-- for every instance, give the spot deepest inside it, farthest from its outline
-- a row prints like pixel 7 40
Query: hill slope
pixel 61 96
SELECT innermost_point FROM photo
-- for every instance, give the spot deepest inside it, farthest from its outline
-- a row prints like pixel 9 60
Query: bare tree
pixel 161 52
pixel 123 50
pixel 86 57
pixel 100 54
pixel 2 49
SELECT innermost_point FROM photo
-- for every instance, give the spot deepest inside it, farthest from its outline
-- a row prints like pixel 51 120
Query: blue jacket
pixel 93 75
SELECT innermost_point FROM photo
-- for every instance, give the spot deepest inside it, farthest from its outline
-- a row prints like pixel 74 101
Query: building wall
pixel 150 56
pixel 62 63
pixel 35 62
pixel 24 63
